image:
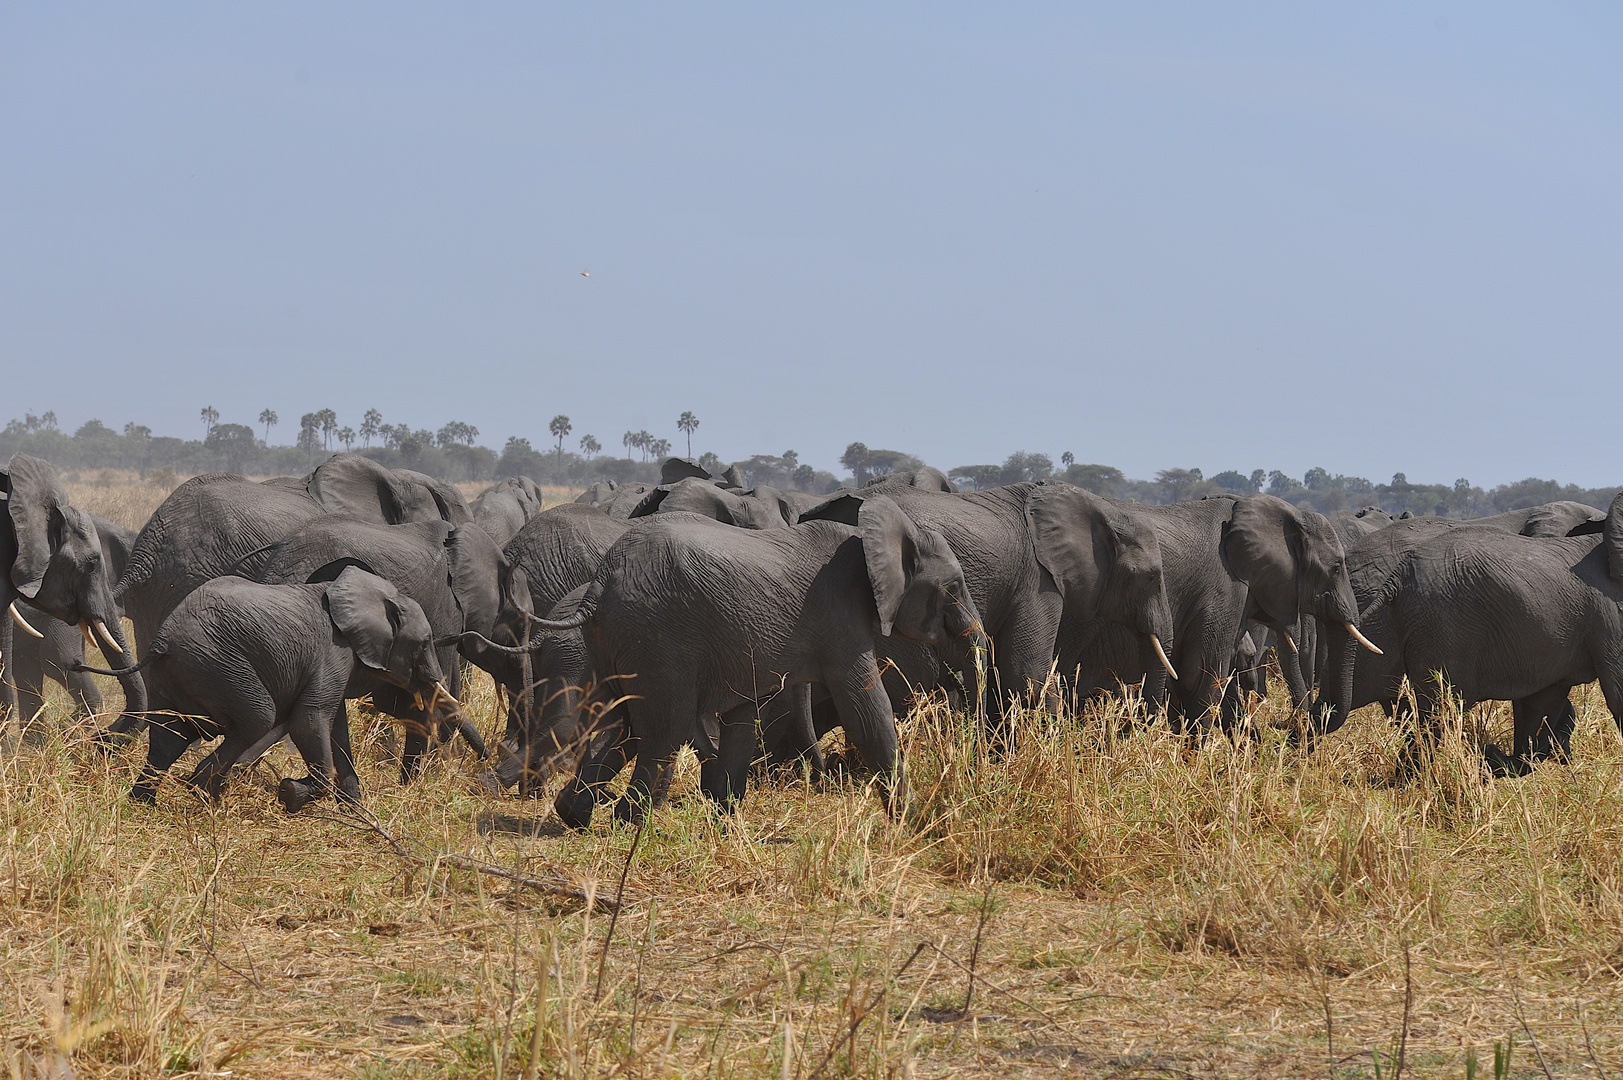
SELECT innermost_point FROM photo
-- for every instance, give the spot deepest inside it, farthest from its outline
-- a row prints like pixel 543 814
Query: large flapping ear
pixel 681 468
pixel 842 508
pixel 366 609
pixel 890 546
pixel 448 503
pixel 355 484
pixel 1614 539
pixel 650 503
pixel 1075 541
pixel 36 506
pixel 1263 546
pixel 475 572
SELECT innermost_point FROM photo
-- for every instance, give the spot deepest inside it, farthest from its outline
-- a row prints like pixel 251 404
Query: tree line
pixel 453 452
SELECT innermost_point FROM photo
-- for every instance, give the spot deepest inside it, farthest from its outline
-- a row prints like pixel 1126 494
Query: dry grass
pixel 1129 908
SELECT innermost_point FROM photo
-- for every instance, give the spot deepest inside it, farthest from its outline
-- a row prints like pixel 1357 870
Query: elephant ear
pixel 843 508
pixel 1614 539
pixel 1075 541
pixel 446 501
pixel 733 478
pixel 475 576
pixel 933 479
pixel 681 468
pixel 650 503
pixel 36 505
pixel 890 547
pixel 370 613
pixel 1263 546
pixel 355 484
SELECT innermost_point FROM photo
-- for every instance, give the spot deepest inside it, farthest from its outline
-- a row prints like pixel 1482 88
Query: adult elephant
pixel 929 478
pixel 1498 615
pixel 502 509
pixel 615 500
pixel 702 497
pixel 57 655
pixel 710 620
pixel 456 574
pixel 1227 562
pixel 51 556
pixel 1018 600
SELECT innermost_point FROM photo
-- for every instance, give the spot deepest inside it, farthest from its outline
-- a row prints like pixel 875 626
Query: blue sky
pixel 1369 237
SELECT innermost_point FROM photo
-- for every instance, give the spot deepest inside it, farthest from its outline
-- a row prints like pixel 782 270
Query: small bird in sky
pixel 585 273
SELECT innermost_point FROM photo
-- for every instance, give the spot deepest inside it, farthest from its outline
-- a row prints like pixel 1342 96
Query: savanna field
pixel 1103 901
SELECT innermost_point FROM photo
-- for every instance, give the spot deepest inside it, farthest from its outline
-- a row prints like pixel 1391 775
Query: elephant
pixel 1500 615
pixel 1017 599
pixel 456 574
pixel 502 509
pixel 52 558
pixel 928 478
pixel 53 656
pixel 615 500
pixel 705 498
pixel 253 662
pixel 1227 561
pixel 212 522
pixel 711 620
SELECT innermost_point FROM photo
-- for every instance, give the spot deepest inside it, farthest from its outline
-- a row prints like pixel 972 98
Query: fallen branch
pixel 555 885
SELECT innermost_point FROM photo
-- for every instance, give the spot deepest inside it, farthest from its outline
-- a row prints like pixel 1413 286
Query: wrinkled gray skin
pixel 51 556
pixel 1503 616
pixel 63 646
pixel 615 500
pixel 1398 562
pixel 212 522
pixel 702 497
pixel 1227 562
pixel 456 575
pixel 254 662
pixel 1018 601
pixel 928 478
pixel 713 620
pixel 502 509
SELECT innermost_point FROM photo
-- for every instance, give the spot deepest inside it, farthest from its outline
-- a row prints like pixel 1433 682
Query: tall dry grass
pixel 1128 905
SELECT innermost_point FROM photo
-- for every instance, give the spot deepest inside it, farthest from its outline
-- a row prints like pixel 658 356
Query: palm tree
pixel 371 426
pixel 560 427
pixel 688 423
pixel 589 446
pixel 269 419
pixel 346 435
pixel 210 416
pixel 660 448
pixel 329 427
pixel 631 440
pixel 1067 459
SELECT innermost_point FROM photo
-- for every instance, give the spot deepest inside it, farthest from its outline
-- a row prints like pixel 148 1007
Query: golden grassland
pixel 1095 903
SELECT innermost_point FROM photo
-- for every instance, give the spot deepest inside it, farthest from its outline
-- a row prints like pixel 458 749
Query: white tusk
pixel 1288 640
pixel 17 617
pixel 1161 654
pixel 1362 640
pixel 107 636
pixel 90 641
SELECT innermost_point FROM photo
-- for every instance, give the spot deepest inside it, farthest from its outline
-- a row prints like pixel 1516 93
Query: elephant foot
pixel 1504 765
pixel 295 795
pixel 574 807
pixel 144 794
pixel 349 789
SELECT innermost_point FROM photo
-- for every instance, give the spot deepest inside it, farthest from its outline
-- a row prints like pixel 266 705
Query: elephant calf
pixel 255 662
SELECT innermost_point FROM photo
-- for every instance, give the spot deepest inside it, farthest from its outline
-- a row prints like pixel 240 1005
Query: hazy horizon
pixel 1372 239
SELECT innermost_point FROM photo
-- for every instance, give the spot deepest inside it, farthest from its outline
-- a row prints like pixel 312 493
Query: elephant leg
pixel 8 691
pixel 169 739
pixel 607 755
pixel 343 755
pixel 213 771
pixel 725 777
pixel 311 729
pixel 1554 739
pixel 870 725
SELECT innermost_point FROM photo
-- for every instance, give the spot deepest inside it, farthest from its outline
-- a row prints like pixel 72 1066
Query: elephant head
pixel 355 484
pixel 919 590
pixel 1613 534
pixel 1293 564
pixel 55 558
pixel 388 632
pixel 702 497
pixel 1105 561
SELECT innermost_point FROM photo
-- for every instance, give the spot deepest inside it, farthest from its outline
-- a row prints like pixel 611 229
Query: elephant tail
pixel 158 649
pixel 474 637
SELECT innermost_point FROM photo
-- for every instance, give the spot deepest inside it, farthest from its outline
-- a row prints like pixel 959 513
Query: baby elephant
pixel 255 662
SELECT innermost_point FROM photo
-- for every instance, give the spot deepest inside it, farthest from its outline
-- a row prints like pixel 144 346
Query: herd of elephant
pixel 746 624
